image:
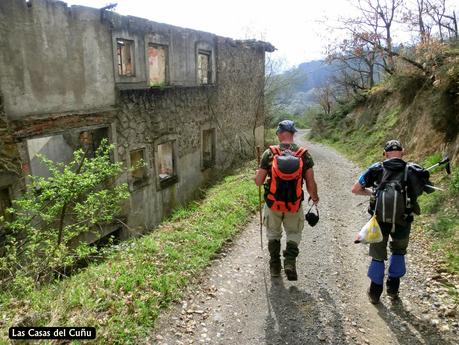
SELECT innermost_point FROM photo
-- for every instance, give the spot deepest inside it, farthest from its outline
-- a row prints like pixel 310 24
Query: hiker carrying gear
pixel 285 165
pixel 394 186
pixel 285 192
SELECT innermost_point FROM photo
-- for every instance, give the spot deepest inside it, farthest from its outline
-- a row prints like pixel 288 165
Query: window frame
pixel 118 56
pixel 111 136
pixel 205 164
pixel 173 179
pixel 209 54
pixel 8 189
pixel 166 63
pixel 145 180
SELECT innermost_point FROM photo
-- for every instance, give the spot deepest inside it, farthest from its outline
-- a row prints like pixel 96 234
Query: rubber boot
pixel 274 261
pixel 392 285
pixel 374 292
pixel 290 254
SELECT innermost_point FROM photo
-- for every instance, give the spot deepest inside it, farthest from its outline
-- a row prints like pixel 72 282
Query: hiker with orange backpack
pixel 285 165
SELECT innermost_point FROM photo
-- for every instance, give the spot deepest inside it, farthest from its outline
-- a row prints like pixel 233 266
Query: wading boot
pixel 290 254
pixel 274 261
pixel 374 292
pixel 392 285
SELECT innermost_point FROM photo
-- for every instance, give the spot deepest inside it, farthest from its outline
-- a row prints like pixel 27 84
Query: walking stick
pixel 259 201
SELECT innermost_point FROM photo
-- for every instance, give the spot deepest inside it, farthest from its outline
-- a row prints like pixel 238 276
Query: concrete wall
pixel 140 117
pixel 53 58
pixel 183 46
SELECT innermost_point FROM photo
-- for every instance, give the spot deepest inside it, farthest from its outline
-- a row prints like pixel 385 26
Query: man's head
pixel 285 130
pixel 393 149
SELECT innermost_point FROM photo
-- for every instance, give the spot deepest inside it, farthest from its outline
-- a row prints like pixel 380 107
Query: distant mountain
pixel 317 73
pixel 301 95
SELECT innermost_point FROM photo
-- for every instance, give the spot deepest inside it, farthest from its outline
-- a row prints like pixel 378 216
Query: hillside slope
pixel 423 116
pixel 423 113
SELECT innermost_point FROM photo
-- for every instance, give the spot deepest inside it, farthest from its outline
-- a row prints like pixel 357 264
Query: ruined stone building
pixel 188 103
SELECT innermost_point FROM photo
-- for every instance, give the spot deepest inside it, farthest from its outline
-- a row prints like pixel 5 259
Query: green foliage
pixel 407 85
pixel 123 296
pixel 431 160
pixel 270 137
pixel 454 183
pixel 301 121
pixel 363 145
pixel 75 199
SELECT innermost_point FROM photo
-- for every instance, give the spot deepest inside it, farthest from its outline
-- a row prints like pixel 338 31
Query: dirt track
pixel 238 303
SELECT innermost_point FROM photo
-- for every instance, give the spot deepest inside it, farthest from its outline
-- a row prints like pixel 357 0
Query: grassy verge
pixel 441 217
pixel 363 145
pixel 123 296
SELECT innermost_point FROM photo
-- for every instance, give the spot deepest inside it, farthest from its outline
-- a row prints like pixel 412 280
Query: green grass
pixel 123 296
pixel 363 145
pixel 441 215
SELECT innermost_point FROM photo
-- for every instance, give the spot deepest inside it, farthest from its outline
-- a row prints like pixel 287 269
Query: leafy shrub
pixel 75 199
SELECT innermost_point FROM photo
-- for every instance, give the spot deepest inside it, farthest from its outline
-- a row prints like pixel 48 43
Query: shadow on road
pixel 295 317
pixel 414 331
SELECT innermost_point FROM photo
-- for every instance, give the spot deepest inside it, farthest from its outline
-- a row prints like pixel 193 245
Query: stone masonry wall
pixel 137 117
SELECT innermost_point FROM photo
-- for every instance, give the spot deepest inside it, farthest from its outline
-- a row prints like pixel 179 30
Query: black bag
pixel 392 203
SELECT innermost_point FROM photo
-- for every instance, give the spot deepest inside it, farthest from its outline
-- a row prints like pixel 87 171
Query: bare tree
pixel 326 97
pixel 443 18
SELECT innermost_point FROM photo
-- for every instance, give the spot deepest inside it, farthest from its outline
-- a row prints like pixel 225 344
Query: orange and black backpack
pixel 285 192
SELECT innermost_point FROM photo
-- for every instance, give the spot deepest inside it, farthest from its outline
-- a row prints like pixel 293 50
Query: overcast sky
pixel 292 26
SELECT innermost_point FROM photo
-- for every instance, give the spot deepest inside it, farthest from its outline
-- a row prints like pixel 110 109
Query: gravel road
pixel 236 301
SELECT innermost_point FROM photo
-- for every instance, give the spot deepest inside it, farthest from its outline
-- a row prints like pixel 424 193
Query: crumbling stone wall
pixel 11 182
pixel 9 156
pixel 139 117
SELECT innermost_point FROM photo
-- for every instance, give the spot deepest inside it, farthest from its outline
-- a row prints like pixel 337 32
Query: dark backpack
pixel 285 191
pixel 392 201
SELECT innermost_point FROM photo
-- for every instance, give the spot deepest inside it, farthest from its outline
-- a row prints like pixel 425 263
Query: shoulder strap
pixel 275 149
pixel 405 187
pixel 405 176
pixel 300 152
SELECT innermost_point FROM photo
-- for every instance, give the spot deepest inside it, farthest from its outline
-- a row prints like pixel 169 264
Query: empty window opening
pixel 204 67
pixel 90 140
pixel 5 202
pixel 166 161
pixel 157 64
pixel 125 55
pixel 138 168
pixel 208 148
pixel 59 148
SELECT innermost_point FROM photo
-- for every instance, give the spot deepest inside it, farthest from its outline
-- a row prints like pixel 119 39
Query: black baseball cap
pixel 286 126
pixel 393 145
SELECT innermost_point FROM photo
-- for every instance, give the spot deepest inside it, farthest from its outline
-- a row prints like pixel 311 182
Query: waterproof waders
pixel 290 254
pixel 275 260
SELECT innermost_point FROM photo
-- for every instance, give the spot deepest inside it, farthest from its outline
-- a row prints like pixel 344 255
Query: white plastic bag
pixel 370 233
